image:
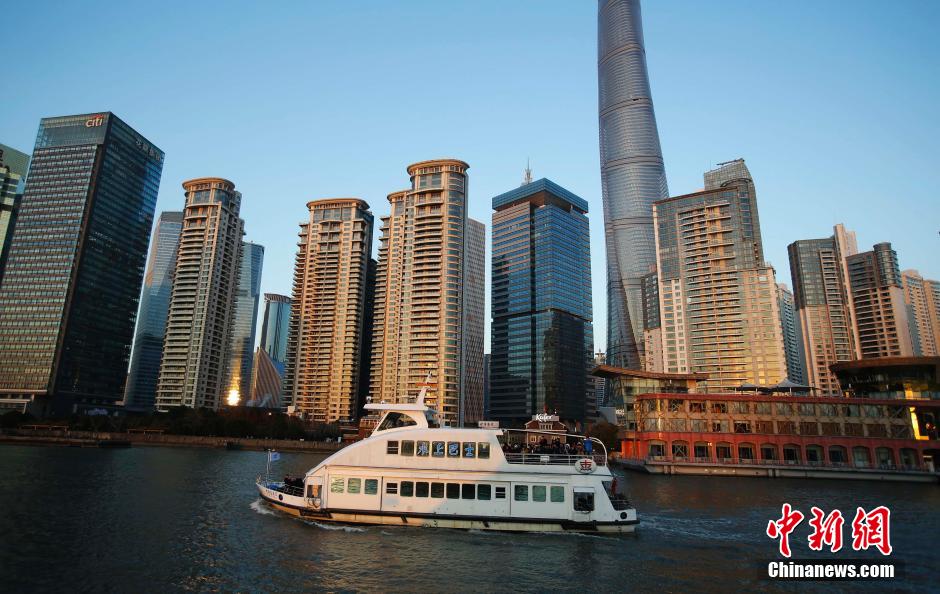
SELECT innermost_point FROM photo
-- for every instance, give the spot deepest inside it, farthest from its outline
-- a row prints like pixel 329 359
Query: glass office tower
pixel 542 334
pixel 244 318
pixel 632 173
pixel 154 306
pixel 274 327
pixel 13 167
pixel 70 290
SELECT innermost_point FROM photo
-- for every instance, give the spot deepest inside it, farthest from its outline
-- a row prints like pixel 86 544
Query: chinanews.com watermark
pixel 870 530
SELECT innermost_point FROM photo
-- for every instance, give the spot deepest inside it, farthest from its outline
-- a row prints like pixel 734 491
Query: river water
pixel 152 519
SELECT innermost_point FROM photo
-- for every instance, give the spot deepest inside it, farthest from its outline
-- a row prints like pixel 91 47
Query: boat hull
pixel 295 506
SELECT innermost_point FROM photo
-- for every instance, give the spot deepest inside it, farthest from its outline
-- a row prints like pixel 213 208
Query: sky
pixel 833 105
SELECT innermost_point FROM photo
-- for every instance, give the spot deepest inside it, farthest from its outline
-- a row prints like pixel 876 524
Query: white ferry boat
pixel 412 471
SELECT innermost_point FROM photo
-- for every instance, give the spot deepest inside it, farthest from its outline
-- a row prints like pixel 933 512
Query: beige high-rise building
pixel 922 298
pixel 474 310
pixel 717 296
pixel 880 313
pixel 202 304
pixel 330 312
pixel 824 307
pixel 421 290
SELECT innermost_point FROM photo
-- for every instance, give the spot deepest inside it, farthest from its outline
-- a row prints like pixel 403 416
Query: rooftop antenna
pixel 527 177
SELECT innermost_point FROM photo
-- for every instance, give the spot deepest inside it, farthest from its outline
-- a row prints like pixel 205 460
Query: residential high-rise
pixel 274 327
pixel 202 305
pixel 326 346
pixel 823 306
pixel 141 390
pixel 922 298
pixel 13 167
pixel 486 386
pixel 717 296
pixel 880 312
pixel 632 173
pixel 244 318
pixel 72 280
pixel 652 326
pixel 474 310
pixel 542 339
pixel 792 334
pixel 420 289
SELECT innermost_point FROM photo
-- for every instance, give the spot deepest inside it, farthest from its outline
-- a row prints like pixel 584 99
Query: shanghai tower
pixel 632 173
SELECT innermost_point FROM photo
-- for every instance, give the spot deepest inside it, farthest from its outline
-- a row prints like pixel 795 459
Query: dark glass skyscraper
pixel 274 327
pixel 542 336
pixel 13 166
pixel 632 173
pixel 241 349
pixel 154 306
pixel 70 290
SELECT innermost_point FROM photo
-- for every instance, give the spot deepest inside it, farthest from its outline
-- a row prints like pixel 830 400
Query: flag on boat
pixel 273 456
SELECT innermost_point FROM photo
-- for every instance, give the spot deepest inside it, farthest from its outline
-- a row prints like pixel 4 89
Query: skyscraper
pixel 632 173
pixel 718 301
pixel 13 167
pixel 922 298
pixel 419 291
pixel 542 334
pixel 202 304
pixel 792 334
pixel 275 326
pixel 244 318
pixel 823 306
pixel 326 346
pixel 141 389
pixel 474 309
pixel 880 312
pixel 71 285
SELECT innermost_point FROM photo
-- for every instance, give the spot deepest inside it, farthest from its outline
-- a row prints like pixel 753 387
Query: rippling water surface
pixel 163 519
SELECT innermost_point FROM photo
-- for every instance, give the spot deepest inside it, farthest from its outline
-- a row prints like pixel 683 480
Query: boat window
pixel 424 448
pixel 484 492
pixel 500 492
pixel 538 493
pixel 396 419
pixel 468 491
pixel 407 488
pixel 421 489
pixel 407 448
pixel 437 449
pixel 521 493
pixel 583 501
pixel 391 488
pixel 483 450
pixel 437 490
pixel 453 491
pixel 558 494
pixel 469 449
pixel 453 449
pixel 391 447
pixel 337 484
pixel 313 490
pixel 372 486
pixel 354 485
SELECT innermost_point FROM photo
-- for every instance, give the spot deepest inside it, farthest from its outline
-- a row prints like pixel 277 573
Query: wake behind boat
pixel 412 471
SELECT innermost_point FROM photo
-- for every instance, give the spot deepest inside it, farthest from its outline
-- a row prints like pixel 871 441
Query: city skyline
pixel 784 140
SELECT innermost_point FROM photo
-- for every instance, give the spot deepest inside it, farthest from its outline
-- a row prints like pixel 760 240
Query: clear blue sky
pixel 833 104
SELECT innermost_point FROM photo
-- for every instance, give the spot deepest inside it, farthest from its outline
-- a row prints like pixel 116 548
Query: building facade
pixel 824 305
pixel 632 173
pixel 275 326
pixel 326 346
pixel 70 288
pixel 419 291
pixel 792 334
pixel 141 390
pixel 474 311
pixel 922 298
pixel 13 168
pixel 244 319
pixel 717 296
pixel 193 371
pixel 542 333
pixel 878 299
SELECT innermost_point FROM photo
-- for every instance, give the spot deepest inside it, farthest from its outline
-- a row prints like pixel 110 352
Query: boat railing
pixel 620 503
pixel 552 458
pixel 272 482
pixel 596 449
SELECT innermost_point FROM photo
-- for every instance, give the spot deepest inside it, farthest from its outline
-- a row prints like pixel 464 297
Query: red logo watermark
pixel 869 529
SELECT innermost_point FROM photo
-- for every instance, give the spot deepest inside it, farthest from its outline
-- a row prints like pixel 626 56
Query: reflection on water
pixel 159 519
